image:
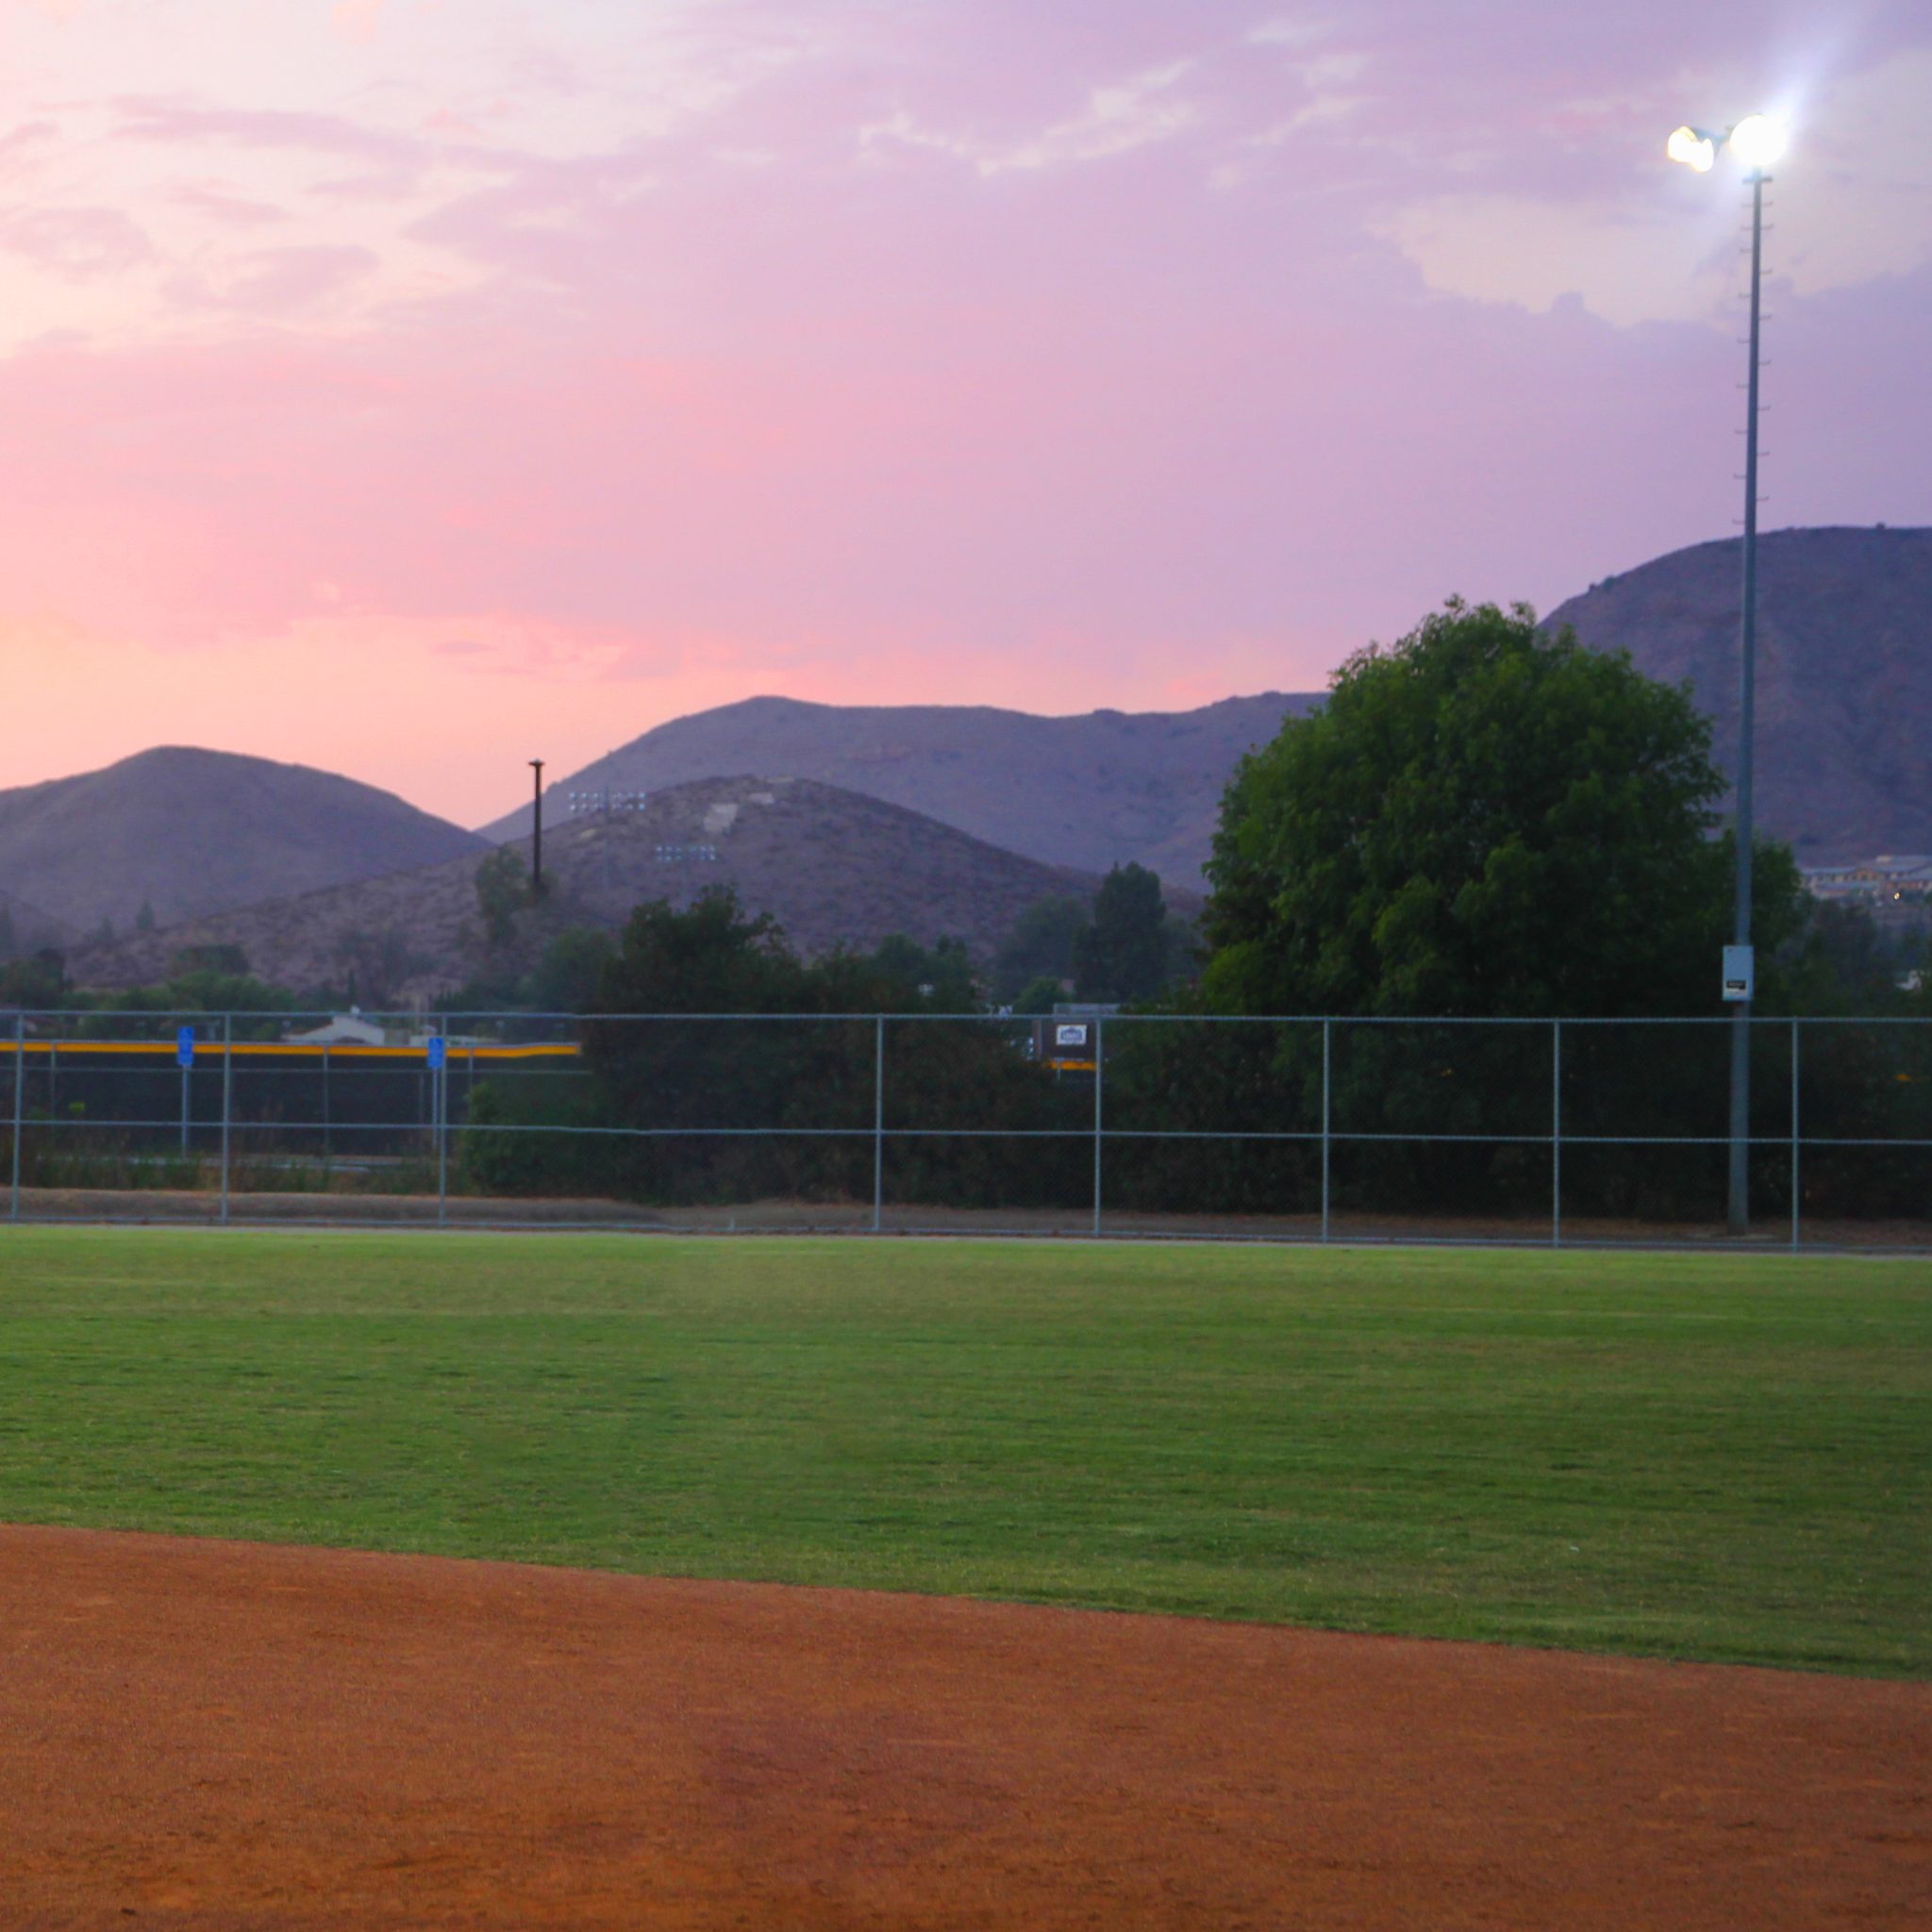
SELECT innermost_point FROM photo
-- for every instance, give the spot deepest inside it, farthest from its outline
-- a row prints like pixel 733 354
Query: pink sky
pixel 413 387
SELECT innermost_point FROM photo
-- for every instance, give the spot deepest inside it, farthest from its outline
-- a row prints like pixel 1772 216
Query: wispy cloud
pixel 1115 119
pixel 76 244
pixel 278 282
pixel 182 121
pixel 224 205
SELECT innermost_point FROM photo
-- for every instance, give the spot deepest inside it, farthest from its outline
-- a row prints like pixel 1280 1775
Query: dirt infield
pixel 225 1735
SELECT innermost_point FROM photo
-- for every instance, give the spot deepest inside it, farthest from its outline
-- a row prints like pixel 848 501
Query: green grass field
pixel 1712 1456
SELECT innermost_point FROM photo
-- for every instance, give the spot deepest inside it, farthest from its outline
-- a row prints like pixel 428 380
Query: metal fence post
pixel 228 1102
pixel 19 1104
pixel 1328 1031
pixel 186 1073
pixel 1555 1133
pixel 878 1120
pixel 1099 1076
pixel 1796 1197
pixel 441 1091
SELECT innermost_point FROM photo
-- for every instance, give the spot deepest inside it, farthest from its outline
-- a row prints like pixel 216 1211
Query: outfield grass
pixel 1705 1456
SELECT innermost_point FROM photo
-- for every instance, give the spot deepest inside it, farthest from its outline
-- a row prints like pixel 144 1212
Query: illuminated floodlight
pixel 1694 147
pixel 1758 141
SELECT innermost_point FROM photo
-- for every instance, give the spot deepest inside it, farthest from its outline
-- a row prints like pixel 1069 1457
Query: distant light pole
pixel 537 837
pixel 1758 142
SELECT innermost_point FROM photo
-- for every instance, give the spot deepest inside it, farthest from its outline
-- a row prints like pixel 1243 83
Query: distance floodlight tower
pixel 1758 141
pixel 537 829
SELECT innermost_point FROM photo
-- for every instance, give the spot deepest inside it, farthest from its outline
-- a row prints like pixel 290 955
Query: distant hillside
pixel 192 832
pixel 1844 674
pixel 25 929
pixel 834 868
pixel 1087 791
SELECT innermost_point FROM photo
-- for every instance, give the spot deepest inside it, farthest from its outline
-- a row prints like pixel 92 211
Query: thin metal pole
pixel 1099 1076
pixel 228 1102
pixel 1327 1027
pixel 1795 1195
pixel 442 1092
pixel 186 1070
pixel 1739 1205
pixel 537 829
pixel 878 1120
pixel 19 1104
pixel 1555 1133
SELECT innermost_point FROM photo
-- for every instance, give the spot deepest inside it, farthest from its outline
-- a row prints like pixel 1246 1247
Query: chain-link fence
pixel 1288 1128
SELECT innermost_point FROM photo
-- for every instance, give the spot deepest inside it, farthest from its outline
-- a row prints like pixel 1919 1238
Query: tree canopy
pixel 503 889
pixel 1126 953
pixel 780 1052
pixel 1040 947
pixel 1482 819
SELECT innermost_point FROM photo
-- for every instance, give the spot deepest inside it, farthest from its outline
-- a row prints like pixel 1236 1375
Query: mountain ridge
pixel 834 868
pixel 27 928
pixel 1843 762
pixel 1845 716
pixel 1090 789
pixel 187 832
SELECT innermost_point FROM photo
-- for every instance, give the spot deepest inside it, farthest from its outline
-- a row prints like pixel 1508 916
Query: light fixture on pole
pixel 1758 141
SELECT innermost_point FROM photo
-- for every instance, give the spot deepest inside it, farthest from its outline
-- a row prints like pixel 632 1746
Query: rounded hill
pixel 832 867
pixel 1091 791
pixel 1844 674
pixel 187 832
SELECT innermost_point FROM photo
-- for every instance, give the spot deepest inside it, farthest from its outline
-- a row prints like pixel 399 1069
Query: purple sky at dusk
pixel 413 387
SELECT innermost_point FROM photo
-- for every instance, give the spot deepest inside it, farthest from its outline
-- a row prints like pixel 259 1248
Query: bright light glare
pixel 1758 141
pixel 1693 149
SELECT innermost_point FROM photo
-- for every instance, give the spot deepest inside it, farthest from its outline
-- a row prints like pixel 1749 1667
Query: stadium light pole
pixel 537 830
pixel 1758 142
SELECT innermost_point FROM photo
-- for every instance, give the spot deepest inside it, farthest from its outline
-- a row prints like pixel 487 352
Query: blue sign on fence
pixel 184 1046
pixel 439 1047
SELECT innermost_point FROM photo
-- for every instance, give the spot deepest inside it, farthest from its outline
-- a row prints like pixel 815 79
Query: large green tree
pixel 1482 819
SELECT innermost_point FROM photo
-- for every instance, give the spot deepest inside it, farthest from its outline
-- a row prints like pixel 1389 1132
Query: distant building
pixel 341 1029
pixel 1894 886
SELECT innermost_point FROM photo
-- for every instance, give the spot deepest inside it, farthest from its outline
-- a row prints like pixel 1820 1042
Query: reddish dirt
pixel 225 1735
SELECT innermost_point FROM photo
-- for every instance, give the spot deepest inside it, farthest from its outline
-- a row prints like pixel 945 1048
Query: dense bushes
pixel 736 1071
